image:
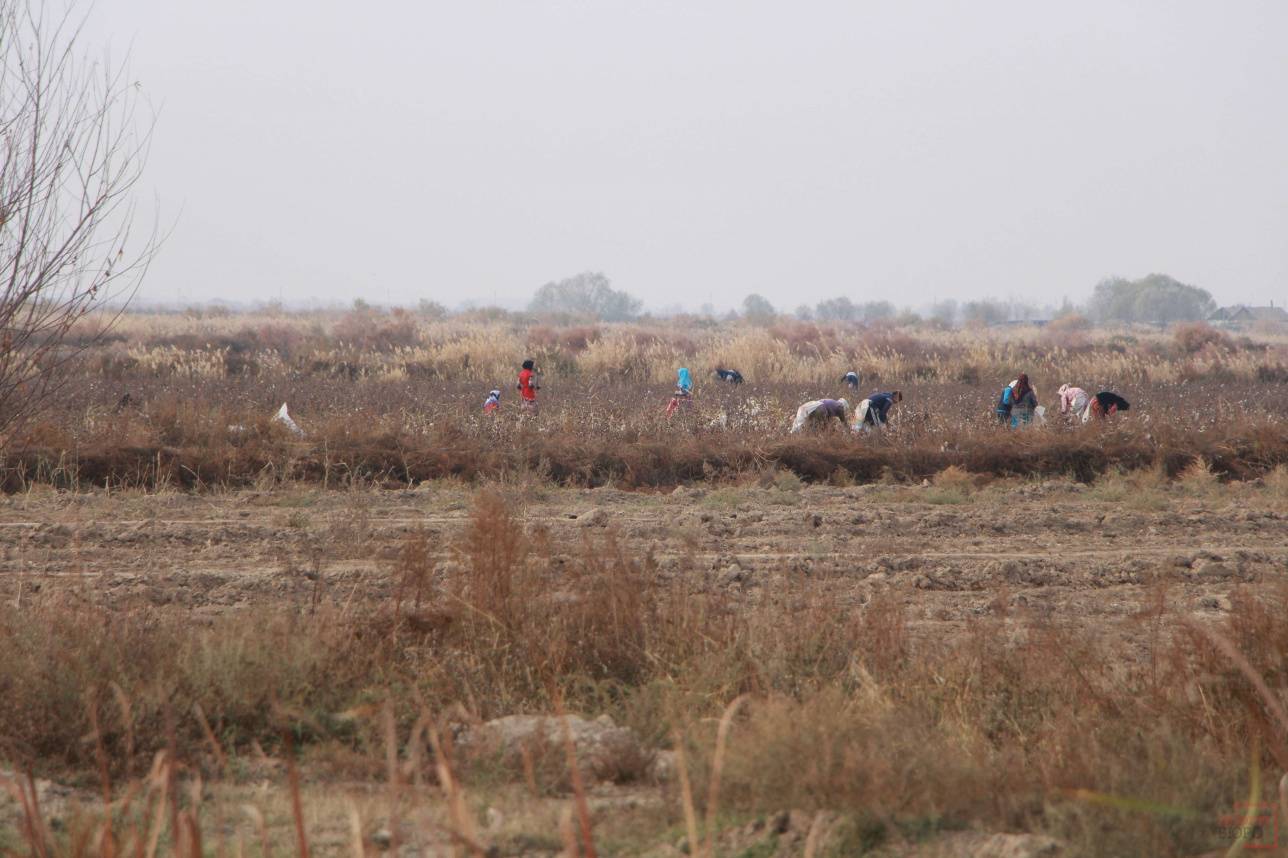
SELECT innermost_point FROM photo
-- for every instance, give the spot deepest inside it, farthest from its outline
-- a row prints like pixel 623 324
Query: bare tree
pixel 71 154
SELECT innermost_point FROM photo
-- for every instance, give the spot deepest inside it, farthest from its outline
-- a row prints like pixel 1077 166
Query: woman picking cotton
pixel 1073 401
pixel 1024 402
pixel 820 412
pixel 1105 404
pixel 683 395
pixel 874 412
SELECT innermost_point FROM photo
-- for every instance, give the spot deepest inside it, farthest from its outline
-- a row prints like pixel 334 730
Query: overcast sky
pixel 698 151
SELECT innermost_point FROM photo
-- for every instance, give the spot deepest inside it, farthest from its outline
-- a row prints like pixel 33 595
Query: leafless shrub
pixel 368 330
pixel 1193 337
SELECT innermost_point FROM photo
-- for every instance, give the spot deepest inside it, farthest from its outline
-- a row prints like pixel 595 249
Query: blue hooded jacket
pixel 684 381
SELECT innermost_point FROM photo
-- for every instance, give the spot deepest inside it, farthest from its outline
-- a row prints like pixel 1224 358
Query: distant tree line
pixel 842 309
pixel 1156 298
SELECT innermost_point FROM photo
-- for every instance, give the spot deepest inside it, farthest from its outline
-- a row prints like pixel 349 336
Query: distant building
pixel 1019 323
pixel 1242 314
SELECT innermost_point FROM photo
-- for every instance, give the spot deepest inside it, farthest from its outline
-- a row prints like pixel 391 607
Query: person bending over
pixel 1073 400
pixel 1105 404
pixel 820 412
pixel 874 412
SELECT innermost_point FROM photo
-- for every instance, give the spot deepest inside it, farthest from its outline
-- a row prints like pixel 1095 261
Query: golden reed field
pixel 417 628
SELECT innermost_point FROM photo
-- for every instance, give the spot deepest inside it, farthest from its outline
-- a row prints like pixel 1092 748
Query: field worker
pixel 730 375
pixel 1073 400
pixel 874 412
pixel 1105 404
pixel 529 385
pixel 819 412
pixel 492 403
pixel 1024 401
pixel 851 380
pixel 683 382
pixel 683 391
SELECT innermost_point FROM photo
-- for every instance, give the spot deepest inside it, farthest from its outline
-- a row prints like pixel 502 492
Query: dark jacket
pixel 878 407
pixel 1110 402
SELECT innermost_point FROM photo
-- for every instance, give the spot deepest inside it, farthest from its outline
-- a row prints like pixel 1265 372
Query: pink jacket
pixel 1072 398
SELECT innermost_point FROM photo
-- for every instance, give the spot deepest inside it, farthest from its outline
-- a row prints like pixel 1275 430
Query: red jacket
pixel 527 389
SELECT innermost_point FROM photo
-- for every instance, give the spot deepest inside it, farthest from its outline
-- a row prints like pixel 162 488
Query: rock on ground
pixel 975 844
pixel 605 752
pixel 596 517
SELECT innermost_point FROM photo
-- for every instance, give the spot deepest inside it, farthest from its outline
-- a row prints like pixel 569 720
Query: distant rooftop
pixel 1245 313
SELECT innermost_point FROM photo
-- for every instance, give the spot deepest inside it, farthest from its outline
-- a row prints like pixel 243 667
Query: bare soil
pixel 1060 550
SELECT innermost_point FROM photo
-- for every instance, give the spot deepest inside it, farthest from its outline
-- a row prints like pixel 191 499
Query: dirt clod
pixel 593 518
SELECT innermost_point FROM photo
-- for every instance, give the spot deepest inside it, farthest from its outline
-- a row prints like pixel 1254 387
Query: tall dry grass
pixel 372 344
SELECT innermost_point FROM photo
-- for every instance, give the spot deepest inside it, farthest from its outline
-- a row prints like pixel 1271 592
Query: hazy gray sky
pixel 699 151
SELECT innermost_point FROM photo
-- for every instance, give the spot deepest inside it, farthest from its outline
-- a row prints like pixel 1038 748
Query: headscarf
pixel 1022 388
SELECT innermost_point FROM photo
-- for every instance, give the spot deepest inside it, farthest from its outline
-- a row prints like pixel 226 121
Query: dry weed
pixel 1198 478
